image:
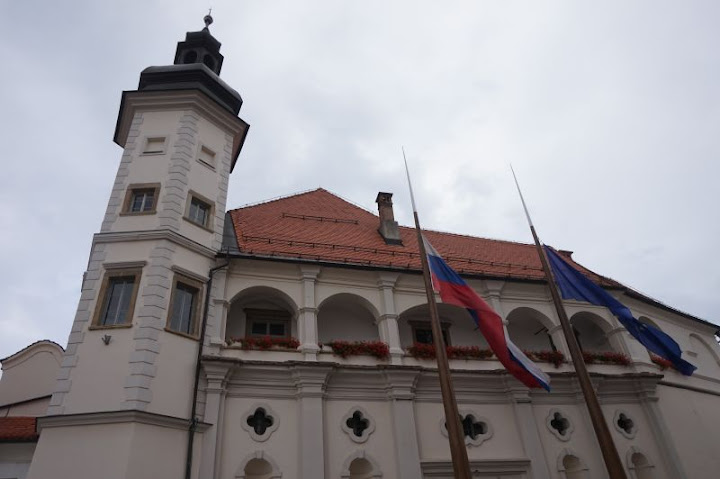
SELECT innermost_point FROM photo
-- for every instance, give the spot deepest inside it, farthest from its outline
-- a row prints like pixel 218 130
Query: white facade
pixel 123 401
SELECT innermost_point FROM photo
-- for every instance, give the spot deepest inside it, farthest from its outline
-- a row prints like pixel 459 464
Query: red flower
pixel 344 349
pixel 266 342
pixel 427 351
pixel 605 358
pixel 662 362
pixel 554 357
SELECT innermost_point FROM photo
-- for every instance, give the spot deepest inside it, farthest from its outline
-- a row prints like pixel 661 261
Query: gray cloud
pixel 607 111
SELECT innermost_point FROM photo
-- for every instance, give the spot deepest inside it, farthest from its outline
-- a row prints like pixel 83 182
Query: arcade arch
pixel 261 311
pixel 347 317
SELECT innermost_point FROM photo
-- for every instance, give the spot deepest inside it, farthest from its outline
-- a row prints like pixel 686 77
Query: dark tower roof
pixel 196 66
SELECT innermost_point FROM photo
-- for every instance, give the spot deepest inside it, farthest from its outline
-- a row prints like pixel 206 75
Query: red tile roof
pixel 320 226
pixel 18 429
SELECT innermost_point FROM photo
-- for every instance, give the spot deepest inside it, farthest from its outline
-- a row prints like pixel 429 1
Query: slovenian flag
pixel 575 285
pixel 453 290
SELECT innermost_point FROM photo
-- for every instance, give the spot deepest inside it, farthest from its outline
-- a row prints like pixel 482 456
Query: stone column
pixel 216 375
pixel 494 289
pixel 401 392
pixel 388 320
pixel 528 429
pixel 558 339
pixel 307 316
pixel 310 383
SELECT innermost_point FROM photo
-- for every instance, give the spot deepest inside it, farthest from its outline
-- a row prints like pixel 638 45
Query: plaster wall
pixel 505 442
pixel 30 373
pixel 173 382
pixel 693 420
pixel 98 378
pixel 15 459
pixel 349 322
pixel 281 447
pixel 73 452
pixel 158 452
pixel 580 442
pixel 37 407
pixel 379 445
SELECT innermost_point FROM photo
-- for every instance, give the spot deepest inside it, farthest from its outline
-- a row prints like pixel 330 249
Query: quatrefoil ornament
pixel 260 422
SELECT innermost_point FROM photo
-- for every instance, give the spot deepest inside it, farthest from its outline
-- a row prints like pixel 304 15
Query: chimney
pixel 388 226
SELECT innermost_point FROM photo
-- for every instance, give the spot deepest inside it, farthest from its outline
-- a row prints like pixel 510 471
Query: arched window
pixel 347 317
pixel 360 466
pixel 641 465
pixel 590 332
pixel 570 466
pixel 361 469
pixel 574 469
pixel 528 329
pixel 258 469
pixel 258 466
pixel 261 311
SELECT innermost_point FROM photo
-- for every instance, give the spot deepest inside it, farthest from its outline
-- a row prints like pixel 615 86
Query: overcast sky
pixel 609 112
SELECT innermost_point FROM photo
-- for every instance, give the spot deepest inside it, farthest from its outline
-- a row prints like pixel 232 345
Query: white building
pixel 187 311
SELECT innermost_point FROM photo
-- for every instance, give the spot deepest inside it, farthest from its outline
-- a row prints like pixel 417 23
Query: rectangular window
pixel 117 298
pixel 206 156
pixel 141 199
pixel 199 211
pixel 184 306
pixel 422 333
pixel 268 322
pixel 154 146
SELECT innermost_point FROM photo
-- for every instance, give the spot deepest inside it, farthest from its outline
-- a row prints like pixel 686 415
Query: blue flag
pixel 574 285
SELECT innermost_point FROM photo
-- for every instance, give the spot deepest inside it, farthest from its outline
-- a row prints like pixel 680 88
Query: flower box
pixel 606 358
pixel 553 357
pixel 427 351
pixel 264 343
pixel 344 349
pixel 662 362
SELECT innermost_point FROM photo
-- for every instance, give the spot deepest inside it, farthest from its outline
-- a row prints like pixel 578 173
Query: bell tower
pixel 123 399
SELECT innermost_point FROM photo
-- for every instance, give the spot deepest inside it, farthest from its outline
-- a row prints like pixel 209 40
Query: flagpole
pixel 602 432
pixel 458 451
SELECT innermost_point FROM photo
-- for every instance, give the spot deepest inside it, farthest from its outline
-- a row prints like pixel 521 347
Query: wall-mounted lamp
pixel 106 339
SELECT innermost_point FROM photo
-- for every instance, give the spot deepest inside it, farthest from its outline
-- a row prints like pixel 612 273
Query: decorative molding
pixel 275 474
pixel 124 265
pixel 469 441
pixel 140 101
pixel 190 274
pixel 268 412
pixel 360 454
pixel 559 424
pixel 632 468
pixel 115 417
pixel 561 458
pixel 160 234
pixel 622 415
pixel 365 434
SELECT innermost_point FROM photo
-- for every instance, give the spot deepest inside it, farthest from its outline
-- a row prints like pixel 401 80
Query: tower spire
pixel 208 19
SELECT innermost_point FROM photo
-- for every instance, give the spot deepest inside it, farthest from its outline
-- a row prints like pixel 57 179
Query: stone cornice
pixel 154 235
pixel 133 101
pixel 116 417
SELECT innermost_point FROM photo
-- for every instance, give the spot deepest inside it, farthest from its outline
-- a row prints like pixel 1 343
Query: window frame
pixel 196 308
pixel 268 316
pixel 110 273
pixel 146 143
pixel 130 194
pixel 418 324
pixel 210 152
pixel 208 226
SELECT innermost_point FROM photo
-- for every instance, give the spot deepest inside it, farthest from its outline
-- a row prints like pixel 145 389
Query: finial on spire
pixel 208 19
